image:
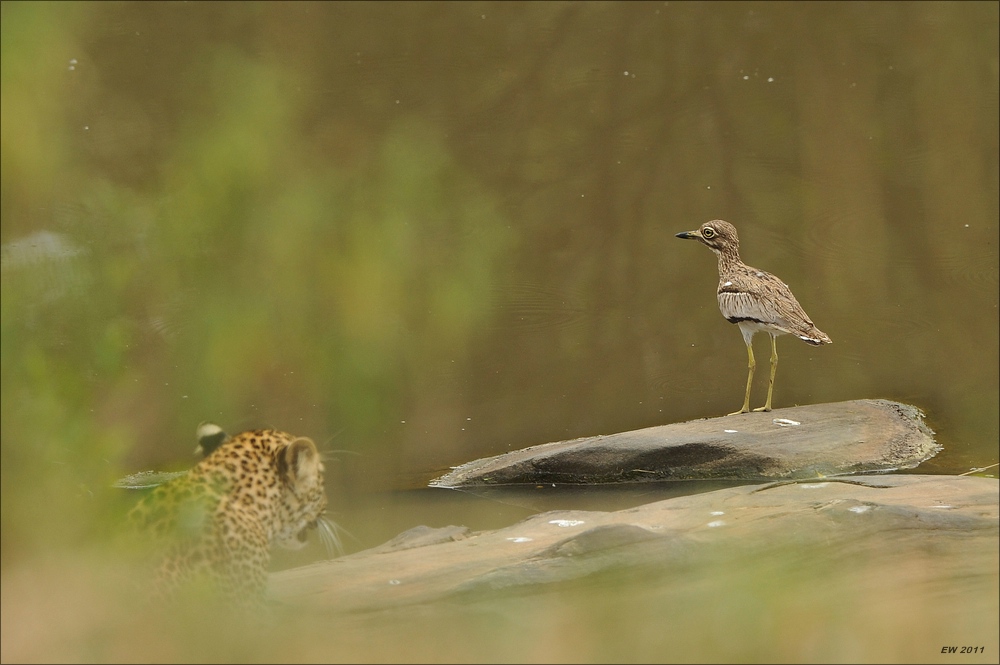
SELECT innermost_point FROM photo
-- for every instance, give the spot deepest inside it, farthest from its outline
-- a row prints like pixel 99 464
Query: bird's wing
pixel 763 298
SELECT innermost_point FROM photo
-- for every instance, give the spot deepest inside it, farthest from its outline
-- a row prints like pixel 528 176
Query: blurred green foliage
pixel 249 268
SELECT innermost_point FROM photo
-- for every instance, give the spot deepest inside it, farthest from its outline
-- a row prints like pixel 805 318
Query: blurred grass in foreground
pixel 780 605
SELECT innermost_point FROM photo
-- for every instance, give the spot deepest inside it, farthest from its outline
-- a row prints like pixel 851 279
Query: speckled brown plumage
pixel 755 300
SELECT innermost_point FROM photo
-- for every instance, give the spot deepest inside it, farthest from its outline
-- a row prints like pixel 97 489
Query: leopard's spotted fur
pixel 218 521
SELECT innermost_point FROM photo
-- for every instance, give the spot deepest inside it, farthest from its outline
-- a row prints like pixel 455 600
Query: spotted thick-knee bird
pixel 755 300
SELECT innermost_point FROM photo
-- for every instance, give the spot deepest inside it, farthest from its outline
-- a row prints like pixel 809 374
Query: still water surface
pixel 423 233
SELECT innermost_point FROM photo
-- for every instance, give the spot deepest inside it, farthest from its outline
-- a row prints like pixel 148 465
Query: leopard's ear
pixel 302 463
pixel 210 437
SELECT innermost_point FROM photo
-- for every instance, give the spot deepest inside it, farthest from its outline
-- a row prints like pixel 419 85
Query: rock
pixel 800 442
pixel 421 536
pixel 952 518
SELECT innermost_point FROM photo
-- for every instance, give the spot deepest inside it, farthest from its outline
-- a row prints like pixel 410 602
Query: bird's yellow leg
pixel 751 365
pixel 774 366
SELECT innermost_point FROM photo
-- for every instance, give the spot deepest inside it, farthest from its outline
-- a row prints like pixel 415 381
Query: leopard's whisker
pixel 326 455
pixel 330 536
pixel 333 436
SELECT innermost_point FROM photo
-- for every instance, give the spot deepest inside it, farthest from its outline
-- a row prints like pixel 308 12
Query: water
pixel 426 233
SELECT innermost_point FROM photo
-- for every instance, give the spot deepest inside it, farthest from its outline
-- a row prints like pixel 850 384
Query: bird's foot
pixel 762 408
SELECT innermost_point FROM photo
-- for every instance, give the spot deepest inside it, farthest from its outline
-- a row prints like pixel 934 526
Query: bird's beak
pixel 690 235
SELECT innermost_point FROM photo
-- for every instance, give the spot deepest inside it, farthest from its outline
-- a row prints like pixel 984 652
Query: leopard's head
pixel 303 501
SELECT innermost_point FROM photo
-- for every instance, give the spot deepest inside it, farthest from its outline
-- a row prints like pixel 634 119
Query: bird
pixel 755 300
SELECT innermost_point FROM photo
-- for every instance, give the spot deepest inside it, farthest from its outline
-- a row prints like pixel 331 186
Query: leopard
pixel 218 522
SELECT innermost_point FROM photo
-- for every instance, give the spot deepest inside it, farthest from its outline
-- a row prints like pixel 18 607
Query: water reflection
pixel 530 307
pixel 541 498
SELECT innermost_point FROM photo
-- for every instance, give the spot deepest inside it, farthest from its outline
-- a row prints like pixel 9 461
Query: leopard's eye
pixel 709 232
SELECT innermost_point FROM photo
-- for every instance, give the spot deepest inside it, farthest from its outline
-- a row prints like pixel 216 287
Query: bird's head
pixel 720 236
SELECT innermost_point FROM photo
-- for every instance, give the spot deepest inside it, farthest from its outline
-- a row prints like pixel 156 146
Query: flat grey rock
pixel 952 518
pixel 859 436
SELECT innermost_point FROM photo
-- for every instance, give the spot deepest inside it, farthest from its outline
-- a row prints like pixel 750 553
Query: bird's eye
pixel 708 232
